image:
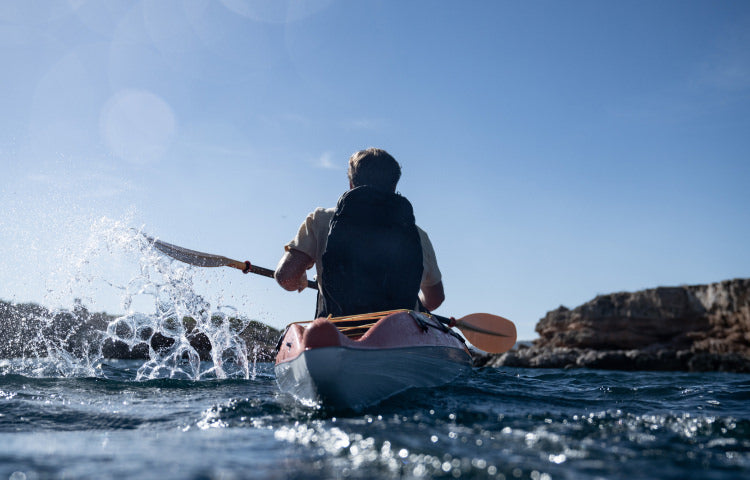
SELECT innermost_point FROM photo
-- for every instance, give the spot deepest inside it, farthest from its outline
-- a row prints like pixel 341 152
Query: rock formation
pixel 691 328
pixel 30 330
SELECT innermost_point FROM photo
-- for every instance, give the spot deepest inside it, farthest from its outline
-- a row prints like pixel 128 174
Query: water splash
pixel 182 320
pixel 179 333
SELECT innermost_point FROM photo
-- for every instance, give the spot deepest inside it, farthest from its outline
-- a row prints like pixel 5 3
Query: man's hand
pixel 432 297
pixel 291 273
pixel 302 282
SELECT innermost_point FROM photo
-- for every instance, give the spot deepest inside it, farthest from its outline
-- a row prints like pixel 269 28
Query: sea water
pixel 493 423
pixel 77 414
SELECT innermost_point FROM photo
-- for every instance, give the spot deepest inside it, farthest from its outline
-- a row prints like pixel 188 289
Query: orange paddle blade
pixel 491 333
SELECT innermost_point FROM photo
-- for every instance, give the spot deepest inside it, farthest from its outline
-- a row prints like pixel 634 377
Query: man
pixel 369 254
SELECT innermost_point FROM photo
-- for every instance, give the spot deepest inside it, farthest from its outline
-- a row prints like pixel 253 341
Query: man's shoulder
pixel 319 220
pixel 422 234
pixel 322 214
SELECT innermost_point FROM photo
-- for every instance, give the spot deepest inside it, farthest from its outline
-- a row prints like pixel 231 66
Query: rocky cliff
pixel 691 328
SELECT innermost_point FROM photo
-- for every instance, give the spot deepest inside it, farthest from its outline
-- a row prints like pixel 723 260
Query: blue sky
pixel 552 150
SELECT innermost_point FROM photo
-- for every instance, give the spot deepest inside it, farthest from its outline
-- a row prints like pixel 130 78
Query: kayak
pixel 358 361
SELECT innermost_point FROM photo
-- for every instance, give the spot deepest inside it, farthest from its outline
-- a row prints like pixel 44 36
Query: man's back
pixel 373 257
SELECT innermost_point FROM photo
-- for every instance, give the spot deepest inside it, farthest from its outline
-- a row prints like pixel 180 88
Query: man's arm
pixel 432 297
pixel 291 271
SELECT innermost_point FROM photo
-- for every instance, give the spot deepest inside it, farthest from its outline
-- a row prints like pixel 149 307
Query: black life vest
pixel 373 258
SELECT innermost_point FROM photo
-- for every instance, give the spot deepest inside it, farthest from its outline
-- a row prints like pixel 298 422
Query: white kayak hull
pixel 318 364
pixel 342 377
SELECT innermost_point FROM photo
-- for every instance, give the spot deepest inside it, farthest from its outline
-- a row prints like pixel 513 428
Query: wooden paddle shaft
pixel 266 272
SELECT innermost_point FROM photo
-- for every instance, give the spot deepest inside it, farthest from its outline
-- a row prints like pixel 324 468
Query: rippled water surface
pixel 494 423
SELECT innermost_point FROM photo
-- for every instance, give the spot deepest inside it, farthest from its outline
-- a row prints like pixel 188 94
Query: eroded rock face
pixel 694 328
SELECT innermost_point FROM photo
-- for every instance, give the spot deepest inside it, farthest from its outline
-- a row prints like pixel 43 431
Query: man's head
pixel 375 168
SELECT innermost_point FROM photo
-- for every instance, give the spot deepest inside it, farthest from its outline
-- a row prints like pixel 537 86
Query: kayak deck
pixel 318 363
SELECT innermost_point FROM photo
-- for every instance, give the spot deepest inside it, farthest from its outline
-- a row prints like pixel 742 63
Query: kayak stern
pixel 321 365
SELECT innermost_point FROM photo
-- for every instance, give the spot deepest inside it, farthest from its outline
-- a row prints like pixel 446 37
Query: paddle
pixel 491 333
pixel 201 259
